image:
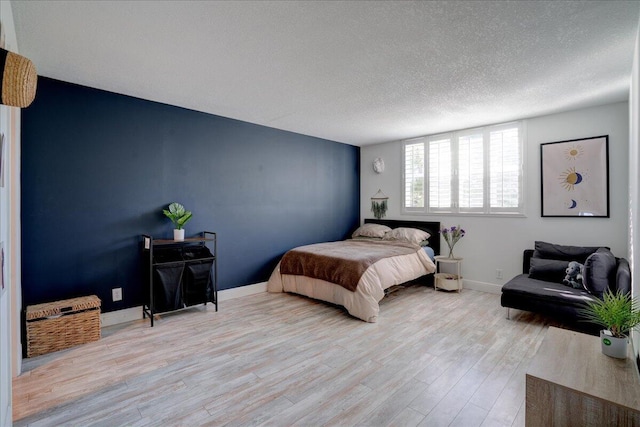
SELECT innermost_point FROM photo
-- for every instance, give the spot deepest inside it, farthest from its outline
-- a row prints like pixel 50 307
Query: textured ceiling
pixel 353 71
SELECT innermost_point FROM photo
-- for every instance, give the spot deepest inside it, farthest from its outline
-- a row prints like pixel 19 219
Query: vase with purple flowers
pixel 451 236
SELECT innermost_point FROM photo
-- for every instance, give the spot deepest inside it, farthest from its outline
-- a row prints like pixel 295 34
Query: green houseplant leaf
pixel 183 219
pixel 177 214
pixel 619 313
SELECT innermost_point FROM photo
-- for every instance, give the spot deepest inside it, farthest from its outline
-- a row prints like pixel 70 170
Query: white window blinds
pixel 477 171
pixel 414 175
pixel 505 166
pixel 440 173
pixel 471 172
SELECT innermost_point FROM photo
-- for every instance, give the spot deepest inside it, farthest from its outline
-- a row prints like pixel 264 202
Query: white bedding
pixel 363 303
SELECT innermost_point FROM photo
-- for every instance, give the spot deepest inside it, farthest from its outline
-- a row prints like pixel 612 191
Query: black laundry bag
pixel 167 280
pixel 197 283
pixel 167 283
pixel 197 277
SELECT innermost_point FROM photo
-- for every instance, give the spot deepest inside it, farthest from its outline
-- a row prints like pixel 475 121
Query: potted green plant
pixel 179 216
pixel 618 313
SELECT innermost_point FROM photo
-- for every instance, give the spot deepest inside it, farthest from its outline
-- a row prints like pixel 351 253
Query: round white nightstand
pixel 448 281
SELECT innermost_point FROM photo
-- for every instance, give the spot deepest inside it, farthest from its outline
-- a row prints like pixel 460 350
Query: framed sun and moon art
pixel 575 177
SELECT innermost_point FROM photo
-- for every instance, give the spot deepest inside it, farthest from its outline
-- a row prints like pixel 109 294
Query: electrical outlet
pixel 498 273
pixel 116 294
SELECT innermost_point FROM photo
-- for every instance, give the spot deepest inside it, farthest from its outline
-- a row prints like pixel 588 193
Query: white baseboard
pixel 121 316
pixel 491 288
pixel 135 313
pixel 242 291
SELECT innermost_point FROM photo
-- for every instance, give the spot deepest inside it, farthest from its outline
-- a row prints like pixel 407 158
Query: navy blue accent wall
pixel 98 167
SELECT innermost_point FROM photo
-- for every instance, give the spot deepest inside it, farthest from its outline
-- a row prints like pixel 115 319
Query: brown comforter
pixel 342 263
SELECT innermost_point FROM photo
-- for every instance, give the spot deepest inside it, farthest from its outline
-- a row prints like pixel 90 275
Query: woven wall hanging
pixel 18 79
pixel 379 204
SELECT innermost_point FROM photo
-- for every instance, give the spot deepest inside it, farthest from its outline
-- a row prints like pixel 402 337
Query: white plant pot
pixel 612 346
pixel 178 235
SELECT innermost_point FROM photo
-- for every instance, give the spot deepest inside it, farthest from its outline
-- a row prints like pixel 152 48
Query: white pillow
pixel 412 235
pixel 371 230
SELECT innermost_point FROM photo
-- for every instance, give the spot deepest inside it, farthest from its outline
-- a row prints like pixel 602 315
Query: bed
pixel 355 273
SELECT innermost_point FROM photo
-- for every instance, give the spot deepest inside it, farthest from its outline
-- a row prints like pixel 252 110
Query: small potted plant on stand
pixel 179 216
pixel 618 313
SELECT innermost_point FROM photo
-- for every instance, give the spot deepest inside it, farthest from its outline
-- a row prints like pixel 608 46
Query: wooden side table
pixel 571 383
pixel 448 281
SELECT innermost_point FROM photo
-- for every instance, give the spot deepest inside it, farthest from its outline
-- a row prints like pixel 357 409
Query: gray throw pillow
pixel 623 278
pixel 563 252
pixel 549 270
pixel 599 271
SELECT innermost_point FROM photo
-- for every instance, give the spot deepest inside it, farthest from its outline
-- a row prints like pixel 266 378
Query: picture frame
pixel 575 177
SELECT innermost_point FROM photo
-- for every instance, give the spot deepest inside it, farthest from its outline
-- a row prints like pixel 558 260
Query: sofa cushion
pixel 623 278
pixel 563 252
pixel 599 271
pixel 551 270
pixel 555 293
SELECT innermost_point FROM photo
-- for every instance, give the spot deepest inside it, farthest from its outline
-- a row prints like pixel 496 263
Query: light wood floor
pixel 434 358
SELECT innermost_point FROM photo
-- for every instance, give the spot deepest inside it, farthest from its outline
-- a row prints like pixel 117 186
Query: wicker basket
pixel 447 281
pixel 62 324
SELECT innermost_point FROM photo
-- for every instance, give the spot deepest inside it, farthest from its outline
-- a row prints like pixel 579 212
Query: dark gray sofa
pixel 543 293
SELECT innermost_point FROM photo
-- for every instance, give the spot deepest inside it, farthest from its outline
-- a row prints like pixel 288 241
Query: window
pixel 414 173
pixel 477 171
pixel 439 172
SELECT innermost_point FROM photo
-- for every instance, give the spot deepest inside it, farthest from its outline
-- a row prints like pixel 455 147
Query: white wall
pixel 10 303
pixel 634 181
pixel 496 242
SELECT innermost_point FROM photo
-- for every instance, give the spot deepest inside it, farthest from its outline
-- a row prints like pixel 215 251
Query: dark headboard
pixel 430 227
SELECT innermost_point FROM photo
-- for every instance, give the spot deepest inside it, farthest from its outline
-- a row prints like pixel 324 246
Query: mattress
pixel 363 301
